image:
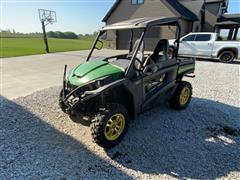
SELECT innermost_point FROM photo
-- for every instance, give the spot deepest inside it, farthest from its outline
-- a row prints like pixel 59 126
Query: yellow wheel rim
pixel 114 127
pixel 184 96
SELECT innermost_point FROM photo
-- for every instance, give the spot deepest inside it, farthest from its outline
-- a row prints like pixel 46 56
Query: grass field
pixel 11 47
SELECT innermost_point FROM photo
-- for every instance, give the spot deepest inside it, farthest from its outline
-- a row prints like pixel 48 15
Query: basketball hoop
pixel 50 20
pixel 46 17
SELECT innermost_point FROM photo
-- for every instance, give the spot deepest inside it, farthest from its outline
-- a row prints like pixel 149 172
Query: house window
pixel 137 1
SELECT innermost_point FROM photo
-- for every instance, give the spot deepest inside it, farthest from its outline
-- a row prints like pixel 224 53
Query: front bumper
pixel 78 100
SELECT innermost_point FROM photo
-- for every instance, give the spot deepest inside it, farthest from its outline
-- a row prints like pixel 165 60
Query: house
pixel 195 16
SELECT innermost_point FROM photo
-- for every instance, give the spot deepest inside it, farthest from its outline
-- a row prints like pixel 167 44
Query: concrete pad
pixel 24 75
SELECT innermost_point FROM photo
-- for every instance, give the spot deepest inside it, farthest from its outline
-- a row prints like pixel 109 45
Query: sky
pixel 79 16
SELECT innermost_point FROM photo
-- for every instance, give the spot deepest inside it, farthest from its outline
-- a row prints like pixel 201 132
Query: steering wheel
pixel 143 64
pixel 139 60
pixel 146 62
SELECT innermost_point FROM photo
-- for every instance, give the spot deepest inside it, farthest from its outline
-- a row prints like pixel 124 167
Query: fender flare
pixel 234 49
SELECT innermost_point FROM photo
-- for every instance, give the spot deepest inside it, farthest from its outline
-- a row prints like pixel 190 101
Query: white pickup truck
pixel 208 45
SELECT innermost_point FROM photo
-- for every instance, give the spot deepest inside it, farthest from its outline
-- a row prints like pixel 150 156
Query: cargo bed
pixel 186 65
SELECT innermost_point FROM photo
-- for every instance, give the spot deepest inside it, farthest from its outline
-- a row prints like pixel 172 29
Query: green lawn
pixel 28 46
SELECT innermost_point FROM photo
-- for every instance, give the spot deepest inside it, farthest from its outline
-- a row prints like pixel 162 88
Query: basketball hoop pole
pixel 45 37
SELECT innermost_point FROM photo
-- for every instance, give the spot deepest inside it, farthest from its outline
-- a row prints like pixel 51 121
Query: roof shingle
pixel 174 5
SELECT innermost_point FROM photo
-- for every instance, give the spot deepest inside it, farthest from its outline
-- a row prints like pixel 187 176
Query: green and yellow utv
pixel 111 91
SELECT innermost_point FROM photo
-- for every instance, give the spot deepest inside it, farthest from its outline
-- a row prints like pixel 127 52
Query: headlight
pixel 103 81
pixel 98 84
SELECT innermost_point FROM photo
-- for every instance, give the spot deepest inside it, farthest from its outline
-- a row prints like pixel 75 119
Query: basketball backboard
pixel 47 16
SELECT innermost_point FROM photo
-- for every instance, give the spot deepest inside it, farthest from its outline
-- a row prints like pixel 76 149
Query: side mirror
pixel 99 45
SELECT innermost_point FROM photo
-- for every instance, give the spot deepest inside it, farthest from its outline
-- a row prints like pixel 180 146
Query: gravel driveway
pixel 38 141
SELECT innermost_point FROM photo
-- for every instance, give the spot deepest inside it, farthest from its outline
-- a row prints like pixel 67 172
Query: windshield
pixel 106 46
pixel 118 46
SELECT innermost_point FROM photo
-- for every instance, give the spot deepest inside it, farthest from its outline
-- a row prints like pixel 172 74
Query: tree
pixel 52 34
pixel 80 36
pixel 60 34
pixel 70 35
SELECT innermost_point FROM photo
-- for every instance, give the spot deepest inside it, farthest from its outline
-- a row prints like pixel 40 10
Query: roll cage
pixel 144 24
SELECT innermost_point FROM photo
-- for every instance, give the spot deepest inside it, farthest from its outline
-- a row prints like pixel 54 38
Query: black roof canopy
pixel 142 23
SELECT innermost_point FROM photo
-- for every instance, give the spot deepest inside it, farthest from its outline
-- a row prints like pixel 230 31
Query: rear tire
pixel 182 96
pixel 105 127
pixel 226 56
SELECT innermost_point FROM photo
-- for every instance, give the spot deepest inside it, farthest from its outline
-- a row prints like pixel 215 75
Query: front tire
pixel 110 125
pixel 226 56
pixel 60 102
pixel 182 96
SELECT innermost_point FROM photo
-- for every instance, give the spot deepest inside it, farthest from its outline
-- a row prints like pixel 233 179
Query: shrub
pixel 62 35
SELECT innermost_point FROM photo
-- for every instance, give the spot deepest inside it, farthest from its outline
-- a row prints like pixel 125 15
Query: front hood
pixel 92 70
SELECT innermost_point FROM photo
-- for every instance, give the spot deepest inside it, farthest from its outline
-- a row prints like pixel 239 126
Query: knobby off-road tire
pixel 182 96
pixel 100 124
pixel 226 56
